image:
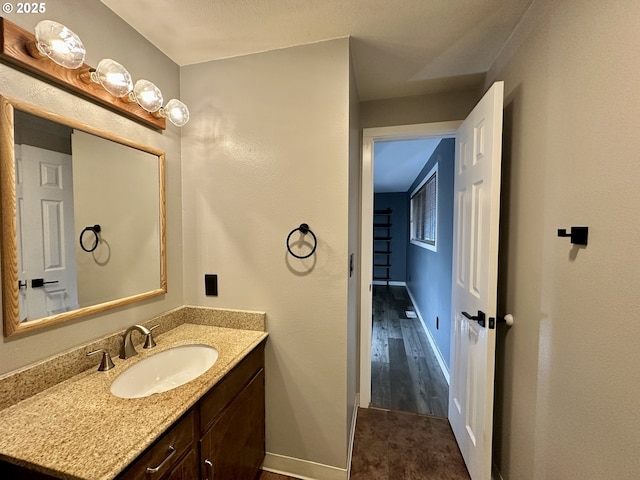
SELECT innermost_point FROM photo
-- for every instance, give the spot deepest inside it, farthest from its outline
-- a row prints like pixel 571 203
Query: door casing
pixel 369 137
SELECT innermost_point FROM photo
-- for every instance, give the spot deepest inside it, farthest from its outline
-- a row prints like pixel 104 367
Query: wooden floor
pixel 405 374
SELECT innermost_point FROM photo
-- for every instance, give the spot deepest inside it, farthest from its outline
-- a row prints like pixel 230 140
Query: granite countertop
pixel 78 430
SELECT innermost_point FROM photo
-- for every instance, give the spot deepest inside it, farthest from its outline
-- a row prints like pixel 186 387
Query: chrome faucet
pixel 128 350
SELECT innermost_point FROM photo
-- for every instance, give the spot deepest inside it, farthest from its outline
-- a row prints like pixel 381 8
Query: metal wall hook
pixel 578 235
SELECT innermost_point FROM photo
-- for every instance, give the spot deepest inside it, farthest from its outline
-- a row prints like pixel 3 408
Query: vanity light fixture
pixel 57 42
pixel 176 111
pixel 147 95
pixel 113 77
pixel 105 85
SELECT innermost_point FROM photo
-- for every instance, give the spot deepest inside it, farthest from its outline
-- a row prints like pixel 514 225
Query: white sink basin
pixel 164 371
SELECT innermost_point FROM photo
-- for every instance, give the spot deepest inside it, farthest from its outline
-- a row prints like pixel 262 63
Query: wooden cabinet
pixel 229 422
pixel 233 448
pixel 232 421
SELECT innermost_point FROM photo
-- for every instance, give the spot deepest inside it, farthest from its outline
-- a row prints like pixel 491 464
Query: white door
pixel 475 278
pixel 46 251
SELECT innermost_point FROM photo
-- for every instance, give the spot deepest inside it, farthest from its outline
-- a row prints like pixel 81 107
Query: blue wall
pixel 397 202
pixel 428 272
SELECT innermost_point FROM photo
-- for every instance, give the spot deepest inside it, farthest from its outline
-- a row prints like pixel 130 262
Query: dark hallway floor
pixel 401 446
pixel 405 446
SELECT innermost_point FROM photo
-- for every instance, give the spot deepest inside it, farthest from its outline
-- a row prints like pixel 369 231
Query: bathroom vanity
pixel 212 427
pixel 227 425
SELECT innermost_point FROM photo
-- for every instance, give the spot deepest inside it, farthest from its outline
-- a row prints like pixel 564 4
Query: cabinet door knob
pixel 210 468
pixel 172 452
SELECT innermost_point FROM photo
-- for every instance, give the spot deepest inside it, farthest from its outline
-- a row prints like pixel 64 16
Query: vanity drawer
pixel 229 387
pixel 165 453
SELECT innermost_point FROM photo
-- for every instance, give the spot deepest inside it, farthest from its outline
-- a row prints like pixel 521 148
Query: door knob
pixel 39 282
pixel 480 318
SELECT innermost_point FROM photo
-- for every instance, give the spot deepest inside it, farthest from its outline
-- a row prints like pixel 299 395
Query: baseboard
pixel 432 341
pixel 302 469
pixel 305 470
pixel 392 283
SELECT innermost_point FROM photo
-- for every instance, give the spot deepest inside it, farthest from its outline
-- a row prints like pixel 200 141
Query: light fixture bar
pixel 14 50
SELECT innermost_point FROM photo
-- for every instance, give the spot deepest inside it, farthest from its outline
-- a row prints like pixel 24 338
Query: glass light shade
pixel 60 44
pixel 147 95
pixel 113 77
pixel 176 111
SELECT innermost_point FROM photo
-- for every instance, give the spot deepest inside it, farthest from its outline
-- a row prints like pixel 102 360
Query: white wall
pixel 104 35
pixel 267 148
pixel 116 187
pixel 568 383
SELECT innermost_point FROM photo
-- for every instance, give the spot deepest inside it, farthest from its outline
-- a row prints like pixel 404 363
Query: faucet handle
pixel 149 342
pixel 106 363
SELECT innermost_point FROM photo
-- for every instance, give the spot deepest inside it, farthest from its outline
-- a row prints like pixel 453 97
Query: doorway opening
pixel 403 366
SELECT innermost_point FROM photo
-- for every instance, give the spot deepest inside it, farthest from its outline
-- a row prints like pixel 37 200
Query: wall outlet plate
pixel 211 285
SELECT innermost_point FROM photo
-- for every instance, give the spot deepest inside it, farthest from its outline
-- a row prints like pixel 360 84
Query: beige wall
pixel 568 383
pixel 104 35
pixel 418 109
pixel 116 187
pixel 267 148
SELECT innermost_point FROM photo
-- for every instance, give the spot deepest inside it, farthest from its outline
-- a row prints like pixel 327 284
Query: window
pixel 424 211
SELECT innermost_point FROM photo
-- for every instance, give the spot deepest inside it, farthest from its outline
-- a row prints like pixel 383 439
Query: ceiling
pixel 399 47
pixel 396 164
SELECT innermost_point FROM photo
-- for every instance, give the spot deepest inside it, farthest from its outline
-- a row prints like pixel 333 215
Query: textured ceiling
pixel 398 163
pixel 400 47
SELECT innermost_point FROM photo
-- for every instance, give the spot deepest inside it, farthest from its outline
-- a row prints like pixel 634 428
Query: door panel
pixel 45 232
pixel 474 287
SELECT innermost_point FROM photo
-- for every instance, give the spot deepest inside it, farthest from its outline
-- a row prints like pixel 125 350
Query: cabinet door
pixel 187 469
pixel 233 448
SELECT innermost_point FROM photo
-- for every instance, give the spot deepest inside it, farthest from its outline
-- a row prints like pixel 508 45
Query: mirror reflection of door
pixel 45 221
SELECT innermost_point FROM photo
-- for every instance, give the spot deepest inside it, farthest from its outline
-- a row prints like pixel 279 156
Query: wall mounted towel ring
pixel 304 229
pixel 95 230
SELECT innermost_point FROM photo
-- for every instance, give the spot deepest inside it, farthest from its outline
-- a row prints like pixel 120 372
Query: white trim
pixel 306 470
pixel 369 136
pixel 302 469
pixel 433 170
pixel 432 341
pixel 393 283
pixel 352 433
pixel 428 246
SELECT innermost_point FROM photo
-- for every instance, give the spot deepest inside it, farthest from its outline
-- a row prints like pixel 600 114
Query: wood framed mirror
pixel 82 219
